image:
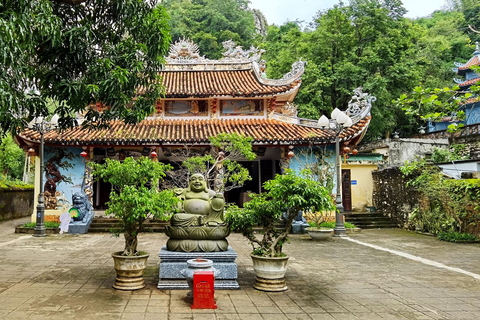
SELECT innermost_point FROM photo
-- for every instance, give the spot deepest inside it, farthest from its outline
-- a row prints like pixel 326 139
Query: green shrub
pixel 12 158
pixel 48 224
pixel 13 184
pixel 457 237
pixel 331 224
pixel 446 205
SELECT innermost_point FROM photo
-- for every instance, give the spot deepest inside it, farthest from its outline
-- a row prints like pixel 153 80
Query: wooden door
pixel 346 190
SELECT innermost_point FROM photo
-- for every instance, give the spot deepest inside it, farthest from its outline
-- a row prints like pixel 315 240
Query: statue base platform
pixel 173 262
pixel 79 227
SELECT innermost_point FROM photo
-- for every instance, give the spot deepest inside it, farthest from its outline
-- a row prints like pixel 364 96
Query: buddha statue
pixel 199 224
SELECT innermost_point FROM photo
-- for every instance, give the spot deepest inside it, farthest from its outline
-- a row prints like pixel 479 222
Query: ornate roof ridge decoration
pixel 359 108
pixel 360 105
pixel 236 53
pixel 184 55
pixel 298 68
pixel 185 51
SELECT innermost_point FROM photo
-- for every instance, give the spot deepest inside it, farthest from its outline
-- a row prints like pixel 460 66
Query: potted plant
pixel 134 199
pixel 316 231
pixel 287 193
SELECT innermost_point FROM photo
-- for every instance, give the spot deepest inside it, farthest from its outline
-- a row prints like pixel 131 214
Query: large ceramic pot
pixel 129 271
pixel 319 234
pixel 270 273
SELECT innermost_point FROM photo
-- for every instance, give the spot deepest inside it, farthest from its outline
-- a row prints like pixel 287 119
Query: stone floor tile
pixel 271 316
pixel 321 316
pixel 298 316
pixel 132 316
pixel 180 316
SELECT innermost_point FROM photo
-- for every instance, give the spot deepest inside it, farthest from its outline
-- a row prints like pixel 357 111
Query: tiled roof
pixel 181 132
pixel 207 83
pixel 472 62
pixel 471 100
pixel 468 82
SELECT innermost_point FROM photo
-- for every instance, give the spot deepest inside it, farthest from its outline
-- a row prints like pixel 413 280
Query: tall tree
pixel 443 42
pixel 210 22
pixel 366 43
pixel 96 51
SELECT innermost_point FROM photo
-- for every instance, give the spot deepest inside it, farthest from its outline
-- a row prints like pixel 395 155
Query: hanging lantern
pixel 221 154
pixel 31 152
pixel 153 154
pixel 346 149
pixel 354 152
pixel 84 154
pixel 290 154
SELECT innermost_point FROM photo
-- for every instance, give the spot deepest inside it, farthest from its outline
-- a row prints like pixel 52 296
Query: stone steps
pixel 369 220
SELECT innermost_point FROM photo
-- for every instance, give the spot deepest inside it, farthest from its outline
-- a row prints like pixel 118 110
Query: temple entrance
pixel 346 190
pixel 260 171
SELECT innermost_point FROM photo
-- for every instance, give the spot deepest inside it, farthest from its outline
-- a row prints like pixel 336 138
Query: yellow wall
pixel 361 192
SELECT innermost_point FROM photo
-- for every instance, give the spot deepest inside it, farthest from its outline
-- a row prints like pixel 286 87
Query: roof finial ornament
pixel 477 49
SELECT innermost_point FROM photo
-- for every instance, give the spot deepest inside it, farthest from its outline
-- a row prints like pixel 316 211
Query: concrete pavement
pixel 71 277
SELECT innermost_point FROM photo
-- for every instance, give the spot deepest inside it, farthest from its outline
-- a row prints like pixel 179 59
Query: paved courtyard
pixel 378 274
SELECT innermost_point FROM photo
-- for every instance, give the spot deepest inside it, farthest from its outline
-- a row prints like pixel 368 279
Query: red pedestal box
pixel 203 290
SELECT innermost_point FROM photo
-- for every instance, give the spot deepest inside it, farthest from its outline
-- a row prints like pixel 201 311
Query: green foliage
pixel 221 169
pixel 457 237
pixel 330 225
pixel 446 205
pixel 7 184
pixel 365 43
pixel 210 22
pixel 137 198
pixel 443 42
pixel 12 158
pixel 456 152
pixel 100 50
pixel 48 224
pixel 288 193
pixel 435 104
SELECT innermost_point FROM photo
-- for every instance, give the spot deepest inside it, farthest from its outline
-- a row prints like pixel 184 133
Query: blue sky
pixel 279 11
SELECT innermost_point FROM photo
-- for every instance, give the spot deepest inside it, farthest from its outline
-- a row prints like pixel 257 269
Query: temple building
pixel 203 98
pixel 472 106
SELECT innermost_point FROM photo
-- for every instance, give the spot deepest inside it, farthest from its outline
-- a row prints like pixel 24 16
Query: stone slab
pixel 182 285
pixel 172 263
pixel 79 227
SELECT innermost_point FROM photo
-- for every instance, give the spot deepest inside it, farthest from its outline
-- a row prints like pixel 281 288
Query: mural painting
pixel 63 175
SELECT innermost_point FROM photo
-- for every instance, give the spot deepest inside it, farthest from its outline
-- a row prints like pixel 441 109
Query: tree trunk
pixel 130 245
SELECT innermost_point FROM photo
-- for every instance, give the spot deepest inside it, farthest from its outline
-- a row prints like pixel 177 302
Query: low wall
pixel 392 196
pixel 16 203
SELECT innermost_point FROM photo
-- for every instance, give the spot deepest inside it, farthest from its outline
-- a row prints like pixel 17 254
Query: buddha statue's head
pixel 198 183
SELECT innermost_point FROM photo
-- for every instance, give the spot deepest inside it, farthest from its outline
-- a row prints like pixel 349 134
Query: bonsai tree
pixel 287 193
pixel 317 218
pixel 220 168
pixel 135 196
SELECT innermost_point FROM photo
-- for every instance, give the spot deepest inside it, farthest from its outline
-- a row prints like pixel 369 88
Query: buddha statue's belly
pixel 196 206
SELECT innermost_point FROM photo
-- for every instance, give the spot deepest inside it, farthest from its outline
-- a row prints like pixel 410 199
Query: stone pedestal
pixel 172 263
pixel 80 227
